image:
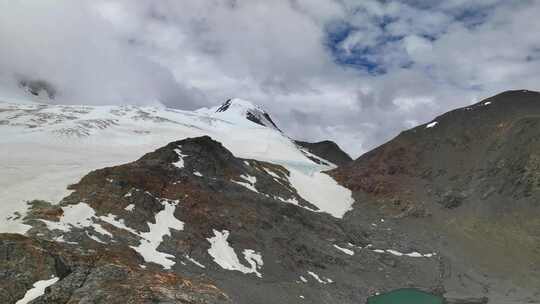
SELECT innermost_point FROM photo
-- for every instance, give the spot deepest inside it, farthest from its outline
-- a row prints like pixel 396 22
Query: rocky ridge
pixel 467 184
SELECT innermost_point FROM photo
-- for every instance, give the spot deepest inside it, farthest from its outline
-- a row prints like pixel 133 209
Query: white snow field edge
pixel 82 215
pixel 47 147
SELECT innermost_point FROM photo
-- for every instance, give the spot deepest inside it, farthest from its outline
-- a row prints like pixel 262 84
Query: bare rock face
pixel 22 262
pixel 104 274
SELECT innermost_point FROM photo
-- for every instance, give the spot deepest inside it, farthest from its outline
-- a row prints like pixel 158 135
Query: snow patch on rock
pixel 319 279
pixel 344 250
pixel 413 254
pixel 249 182
pixel 165 221
pixel 225 256
pixel 180 162
pixel 192 260
pixel 37 290
pixel 118 223
pixel 431 125
pixel 80 216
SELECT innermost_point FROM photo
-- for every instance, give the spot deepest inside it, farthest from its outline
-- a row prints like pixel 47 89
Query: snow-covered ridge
pixel 47 147
pixel 239 110
pixel 238 105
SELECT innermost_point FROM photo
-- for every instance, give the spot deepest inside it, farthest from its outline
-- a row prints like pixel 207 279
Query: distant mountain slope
pixel 467 182
pixel 328 150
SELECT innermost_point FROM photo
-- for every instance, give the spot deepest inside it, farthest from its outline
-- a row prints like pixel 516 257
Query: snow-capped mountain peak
pixel 237 110
pixel 238 105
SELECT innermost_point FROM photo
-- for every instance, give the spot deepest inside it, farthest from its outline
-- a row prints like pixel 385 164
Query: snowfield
pixel 47 147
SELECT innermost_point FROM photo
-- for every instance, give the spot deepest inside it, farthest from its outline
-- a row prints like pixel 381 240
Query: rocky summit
pixel 233 211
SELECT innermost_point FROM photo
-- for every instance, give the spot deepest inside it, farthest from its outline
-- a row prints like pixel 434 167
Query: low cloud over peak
pixel 355 72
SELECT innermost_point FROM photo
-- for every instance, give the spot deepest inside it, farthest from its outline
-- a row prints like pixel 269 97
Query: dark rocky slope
pixel 469 186
pixel 327 150
pixel 92 273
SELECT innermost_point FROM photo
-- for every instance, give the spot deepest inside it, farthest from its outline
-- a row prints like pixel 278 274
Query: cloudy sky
pixel 357 72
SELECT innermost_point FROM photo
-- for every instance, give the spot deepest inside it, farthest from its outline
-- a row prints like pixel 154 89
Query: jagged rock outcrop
pixel 101 274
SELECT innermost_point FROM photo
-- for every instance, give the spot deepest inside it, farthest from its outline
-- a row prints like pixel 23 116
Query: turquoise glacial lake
pixel 405 296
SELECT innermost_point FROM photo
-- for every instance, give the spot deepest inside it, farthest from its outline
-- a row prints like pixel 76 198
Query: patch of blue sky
pixel 472 18
pixel 361 57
